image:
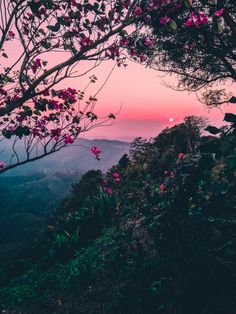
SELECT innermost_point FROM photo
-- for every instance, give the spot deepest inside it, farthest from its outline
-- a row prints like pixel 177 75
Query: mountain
pixel 32 191
pixel 156 235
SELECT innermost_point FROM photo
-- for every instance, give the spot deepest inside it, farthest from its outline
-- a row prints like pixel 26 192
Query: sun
pixel 171 119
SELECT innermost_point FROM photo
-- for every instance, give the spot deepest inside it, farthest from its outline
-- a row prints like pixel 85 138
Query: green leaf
pixel 232 100
pixel 230 117
pixel 54 28
pixel 4 55
pixel 188 3
pixel 212 129
pixel 173 25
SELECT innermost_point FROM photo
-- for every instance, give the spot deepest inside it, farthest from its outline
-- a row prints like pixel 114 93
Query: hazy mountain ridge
pixel 37 188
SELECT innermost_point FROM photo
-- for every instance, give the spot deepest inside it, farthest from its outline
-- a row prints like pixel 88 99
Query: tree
pixel 183 137
pixel 32 106
pixel 199 46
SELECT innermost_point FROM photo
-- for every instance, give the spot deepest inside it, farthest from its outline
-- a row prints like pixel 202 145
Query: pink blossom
pixel 219 12
pixel 124 42
pixel 138 11
pixel 165 19
pixel 68 140
pixel 86 42
pixel 162 187
pixel 143 58
pixel 2 164
pixel 3 92
pixel 133 52
pixel 166 173
pixel 181 155
pixel 203 18
pixel 147 41
pixel 96 151
pixel 35 65
pixel 115 175
pixel 42 10
pixel 11 34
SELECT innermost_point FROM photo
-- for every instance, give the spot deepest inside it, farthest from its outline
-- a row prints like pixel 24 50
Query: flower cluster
pixel 196 20
pixel 36 64
pixel 68 95
pixel 96 151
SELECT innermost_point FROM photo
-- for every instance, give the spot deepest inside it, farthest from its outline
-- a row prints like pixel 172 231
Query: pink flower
pixel 138 11
pixel 86 42
pixel 164 20
pixel 46 93
pixel 219 12
pixel 42 10
pixel 105 181
pixel 109 191
pixel 2 164
pixel 147 41
pixel 96 151
pixel 143 58
pixel 68 140
pixel 124 42
pixel 11 34
pixel 203 18
pixel 166 173
pixel 181 155
pixel 116 175
pixel 162 187
pixel 35 65
pixel 3 92
pixel 133 52
pixel 189 22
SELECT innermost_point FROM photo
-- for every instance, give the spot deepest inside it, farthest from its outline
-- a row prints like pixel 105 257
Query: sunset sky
pixel 147 105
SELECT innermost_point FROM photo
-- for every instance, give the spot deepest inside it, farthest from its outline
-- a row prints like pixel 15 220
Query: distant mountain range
pixel 30 192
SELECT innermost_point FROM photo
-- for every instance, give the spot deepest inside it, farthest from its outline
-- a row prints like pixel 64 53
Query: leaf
pixel 4 55
pixel 230 117
pixel 188 3
pixel 54 28
pixel 173 25
pixel 232 100
pixel 212 129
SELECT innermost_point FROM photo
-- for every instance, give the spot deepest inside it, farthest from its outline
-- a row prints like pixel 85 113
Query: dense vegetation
pixel 155 235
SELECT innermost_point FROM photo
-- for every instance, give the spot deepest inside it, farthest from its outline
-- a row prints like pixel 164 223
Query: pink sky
pixel 147 105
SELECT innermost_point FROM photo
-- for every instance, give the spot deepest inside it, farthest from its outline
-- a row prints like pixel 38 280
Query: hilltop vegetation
pixel 155 235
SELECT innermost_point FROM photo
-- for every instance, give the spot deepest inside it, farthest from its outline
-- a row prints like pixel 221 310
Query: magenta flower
pixel 3 92
pixel 147 41
pixel 165 19
pixel 143 58
pixel 68 140
pixel 203 18
pixel 86 42
pixel 219 12
pixel 11 34
pixel 181 155
pixel 2 164
pixel 138 11
pixel 162 187
pixel 35 65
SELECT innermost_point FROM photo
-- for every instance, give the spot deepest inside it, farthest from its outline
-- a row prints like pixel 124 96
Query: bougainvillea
pixel 32 108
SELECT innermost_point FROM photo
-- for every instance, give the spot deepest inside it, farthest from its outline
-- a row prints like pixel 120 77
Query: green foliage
pixel 163 242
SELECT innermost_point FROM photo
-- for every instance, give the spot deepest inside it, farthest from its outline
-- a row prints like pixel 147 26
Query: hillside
pixel 33 191
pixel 156 234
